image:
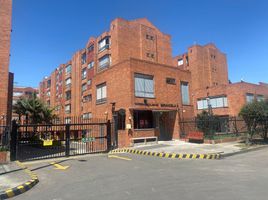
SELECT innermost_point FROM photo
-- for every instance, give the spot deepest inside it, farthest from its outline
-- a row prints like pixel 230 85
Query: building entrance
pixel 165 121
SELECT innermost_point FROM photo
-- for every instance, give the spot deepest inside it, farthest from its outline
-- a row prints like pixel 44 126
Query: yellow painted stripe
pixel 201 156
pixel 180 156
pixel 21 188
pixel 10 193
pixel 173 155
pixel 119 157
pixel 194 156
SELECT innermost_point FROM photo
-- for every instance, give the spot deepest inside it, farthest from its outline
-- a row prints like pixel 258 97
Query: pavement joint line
pixel 11 192
pixel 209 156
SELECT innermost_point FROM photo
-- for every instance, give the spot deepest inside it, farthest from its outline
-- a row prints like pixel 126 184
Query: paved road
pixel 238 177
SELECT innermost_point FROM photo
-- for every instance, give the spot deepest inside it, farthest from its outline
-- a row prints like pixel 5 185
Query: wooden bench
pixel 144 140
pixel 196 136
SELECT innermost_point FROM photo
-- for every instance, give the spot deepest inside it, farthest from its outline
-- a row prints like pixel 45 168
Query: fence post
pixel 108 131
pixel 67 140
pixel 13 141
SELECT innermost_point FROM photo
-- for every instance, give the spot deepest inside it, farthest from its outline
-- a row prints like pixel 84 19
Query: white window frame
pixel 185 98
pixel 144 85
pixel 101 93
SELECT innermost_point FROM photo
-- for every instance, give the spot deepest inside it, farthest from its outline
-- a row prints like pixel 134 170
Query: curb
pixel 23 187
pixel 168 155
pixel 243 151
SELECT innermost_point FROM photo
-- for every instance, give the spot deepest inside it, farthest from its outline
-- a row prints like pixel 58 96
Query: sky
pixel 46 33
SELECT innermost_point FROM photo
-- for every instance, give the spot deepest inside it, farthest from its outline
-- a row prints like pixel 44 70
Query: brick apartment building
pixel 19 91
pixel 129 72
pixel 6 82
pixel 210 84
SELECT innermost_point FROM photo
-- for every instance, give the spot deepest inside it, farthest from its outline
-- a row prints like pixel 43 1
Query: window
pixel 48 103
pixel 104 62
pixel 89 82
pixel 83 58
pixel 48 83
pixel 150 55
pixel 87 116
pixel 84 87
pixel 90 65
pixel 17 94
pixel 171 81
pixel 87 98
pixel 249 97
pixel 84 73
pixel 48 93
pixel 68 95
pixel 101 93
pixel 149 37
pixel 180 62
pixel 185 93
pixel 143 119
pixel 68 69
pixel 68 82
pixel 144 86
pixel 90 48
pixel 260 98
pixel 215 102
pixel 104 43
pixel 68 120
pixel 68 108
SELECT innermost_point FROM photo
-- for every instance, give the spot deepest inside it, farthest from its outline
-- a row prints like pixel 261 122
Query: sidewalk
pixel 15 179
pixel 182 147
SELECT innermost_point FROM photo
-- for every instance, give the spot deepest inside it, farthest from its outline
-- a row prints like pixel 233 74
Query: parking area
pixel 130 176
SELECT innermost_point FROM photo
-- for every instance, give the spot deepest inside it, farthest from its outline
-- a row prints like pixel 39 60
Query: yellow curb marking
pixel 119 157
pixel 10 193
pixel 58 166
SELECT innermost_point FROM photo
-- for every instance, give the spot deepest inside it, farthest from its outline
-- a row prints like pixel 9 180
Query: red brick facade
pixel 130 69
pixel 6 78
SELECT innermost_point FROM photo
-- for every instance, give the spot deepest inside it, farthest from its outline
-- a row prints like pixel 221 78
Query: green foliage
pixel 255 115
pixel 207 123
pixel 34 110
pixel 3 148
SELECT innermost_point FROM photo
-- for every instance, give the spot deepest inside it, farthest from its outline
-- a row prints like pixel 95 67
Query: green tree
pixel 207 123
pixel 255 115
pixel 34 110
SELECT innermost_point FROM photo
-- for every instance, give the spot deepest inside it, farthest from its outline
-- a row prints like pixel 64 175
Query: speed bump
pixel 23 187
pixel 212 156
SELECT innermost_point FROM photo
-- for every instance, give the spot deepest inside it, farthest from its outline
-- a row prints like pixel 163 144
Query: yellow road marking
pixel 58 166
pixel 119 157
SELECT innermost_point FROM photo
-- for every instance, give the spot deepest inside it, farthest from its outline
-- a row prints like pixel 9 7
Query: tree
pixel 255 115
pixel 207 123
pixel 34 110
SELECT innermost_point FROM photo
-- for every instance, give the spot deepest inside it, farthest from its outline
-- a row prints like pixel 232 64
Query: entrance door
pixel 163 126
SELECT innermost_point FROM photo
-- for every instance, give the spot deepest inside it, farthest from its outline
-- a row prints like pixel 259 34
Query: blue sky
pixel 46 33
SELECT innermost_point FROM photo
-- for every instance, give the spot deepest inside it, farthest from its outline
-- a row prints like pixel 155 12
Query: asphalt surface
pixel 240 177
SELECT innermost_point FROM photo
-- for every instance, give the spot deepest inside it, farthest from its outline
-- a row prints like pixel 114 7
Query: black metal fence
pixel 61 137
pixel 220 126
pixel 4 134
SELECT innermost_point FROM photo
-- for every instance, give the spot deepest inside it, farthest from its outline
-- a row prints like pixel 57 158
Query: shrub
pixel 255 115
pixel 207 123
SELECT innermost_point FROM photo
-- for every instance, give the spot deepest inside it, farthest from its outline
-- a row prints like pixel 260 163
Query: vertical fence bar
pixel 67 140
pixel 13 141
pixel 108 132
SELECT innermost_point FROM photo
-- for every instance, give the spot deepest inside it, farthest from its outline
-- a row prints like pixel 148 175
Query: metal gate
pixel 56 140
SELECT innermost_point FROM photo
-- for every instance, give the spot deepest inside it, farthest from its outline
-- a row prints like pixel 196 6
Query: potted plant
pixel 4 155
